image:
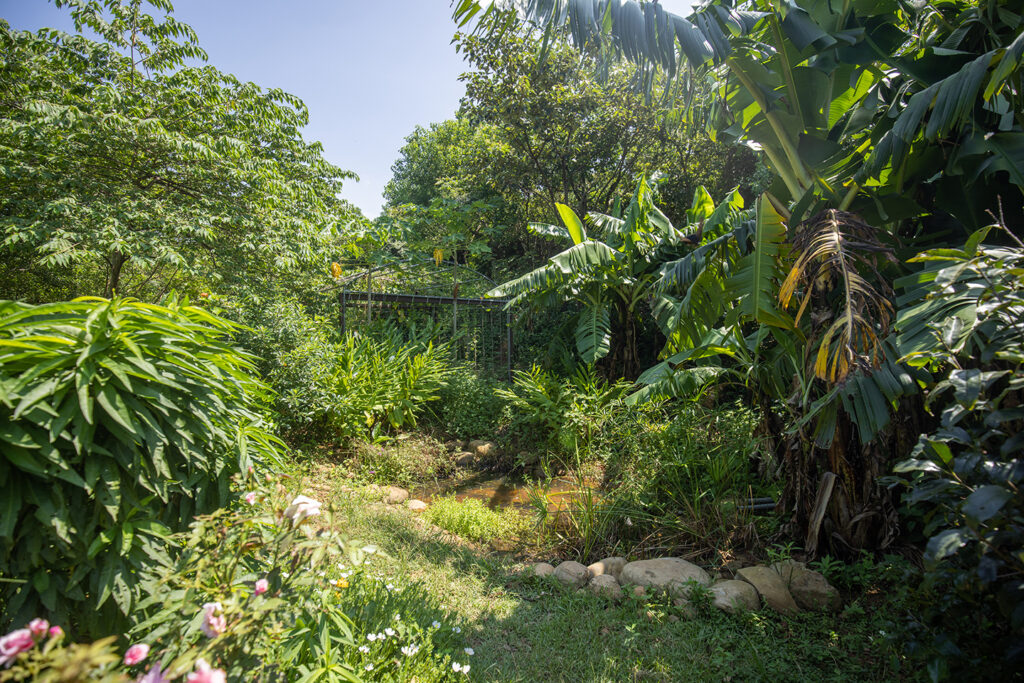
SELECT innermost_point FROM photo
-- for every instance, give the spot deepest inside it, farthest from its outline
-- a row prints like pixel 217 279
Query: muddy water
pixel 503 491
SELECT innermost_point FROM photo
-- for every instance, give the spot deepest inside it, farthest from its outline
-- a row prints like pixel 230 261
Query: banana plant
pixel 608 271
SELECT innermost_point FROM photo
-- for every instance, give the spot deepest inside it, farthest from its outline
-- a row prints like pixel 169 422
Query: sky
pixel 369 71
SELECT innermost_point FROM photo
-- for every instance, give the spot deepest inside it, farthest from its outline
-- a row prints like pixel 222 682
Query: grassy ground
pixel 522 628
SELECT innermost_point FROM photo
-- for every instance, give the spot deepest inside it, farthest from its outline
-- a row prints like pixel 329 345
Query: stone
pixel 673 618
pixel 571 574
pixel 416 505
pixel 481 448
pixel 465 459
pixel 770 587
pixel 685 607
pixel 609 565
pixel 810 589
pixel 394 495
pixel 732 596
pixel 605 585
pixel 664 574
pixel 639 592
pixel 543 569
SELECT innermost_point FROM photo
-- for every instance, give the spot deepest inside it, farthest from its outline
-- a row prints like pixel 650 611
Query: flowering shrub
pixel 261 592
pixel 119 420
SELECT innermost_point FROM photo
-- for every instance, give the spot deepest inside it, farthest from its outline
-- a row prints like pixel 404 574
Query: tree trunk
pixel 115 262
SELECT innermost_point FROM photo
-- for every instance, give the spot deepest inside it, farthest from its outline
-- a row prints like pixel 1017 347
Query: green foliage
pixel 468 406
pixel 962 479
pixel 472 519
pixel 119 152
pixel 120 420
pixel 407 460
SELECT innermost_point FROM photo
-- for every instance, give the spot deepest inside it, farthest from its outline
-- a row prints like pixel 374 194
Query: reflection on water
pixel 501 492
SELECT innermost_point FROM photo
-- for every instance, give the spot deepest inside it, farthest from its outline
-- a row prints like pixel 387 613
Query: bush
pixel 472 519
pixel 468 407
pixel 408 460
pixel 963 479
pixel 259 593
pixel 119 420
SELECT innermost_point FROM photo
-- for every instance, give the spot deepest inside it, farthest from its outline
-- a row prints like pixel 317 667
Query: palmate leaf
pixel 593 333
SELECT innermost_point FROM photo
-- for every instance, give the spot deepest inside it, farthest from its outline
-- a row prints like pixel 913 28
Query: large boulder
pixel 810 589
pixel 664 574
pixel 465 459
pixel 770 587
pixel 394 495
pixel 571 574
pixel 605 585
pixel 609 565
pixel 733 596
pixel 416 505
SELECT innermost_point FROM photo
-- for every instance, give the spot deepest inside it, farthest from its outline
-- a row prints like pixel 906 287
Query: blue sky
pixel 369 72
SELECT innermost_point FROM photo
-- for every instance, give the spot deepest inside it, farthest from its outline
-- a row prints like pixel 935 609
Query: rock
pixel 543 569
pixel 687 609
pixel 416 505
pixel 481 448
pixel 609 565
pixel 395 495
pixel 465 459
pixel 639 592
pixel 673 618
pixel 810 589
pixel 769 586
pixel 733 596
pixel 668 574
pixel 571 574
pixel 606 586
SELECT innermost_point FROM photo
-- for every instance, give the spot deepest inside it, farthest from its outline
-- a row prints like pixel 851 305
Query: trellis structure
pixel 419 291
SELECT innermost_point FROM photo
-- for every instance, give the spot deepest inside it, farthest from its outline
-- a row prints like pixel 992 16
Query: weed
pixel 472 519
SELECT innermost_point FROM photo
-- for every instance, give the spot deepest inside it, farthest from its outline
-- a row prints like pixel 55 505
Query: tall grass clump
pixel 472 519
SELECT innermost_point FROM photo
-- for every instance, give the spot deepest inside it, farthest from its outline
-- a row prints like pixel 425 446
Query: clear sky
pixel 369 71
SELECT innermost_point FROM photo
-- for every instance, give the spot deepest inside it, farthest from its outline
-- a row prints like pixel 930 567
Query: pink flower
pixel 250 498
pixel 214 623
pixel 301 508
pixel 135 654
pixel 262 586
pixel 56 632
pixel 14 643
pixel 204 673
pixel 154 675
pixel 38 627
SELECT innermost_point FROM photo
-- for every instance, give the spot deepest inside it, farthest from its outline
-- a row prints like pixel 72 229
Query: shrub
pixel 119 420
pixel 472 519
pixel 410 459
pixel 963 479
pixel 468 406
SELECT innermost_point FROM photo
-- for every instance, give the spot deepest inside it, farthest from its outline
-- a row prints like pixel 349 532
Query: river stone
pixel 732 595
pixel 810 589
pixel 685 607
pixel 669 574
pixel 416 505
pixel 395 495
pixel 605 585
pixel 543 569
pixel 609 565
pixel 481 448
pixel 465 459
pixel 769 586
pixel 571 574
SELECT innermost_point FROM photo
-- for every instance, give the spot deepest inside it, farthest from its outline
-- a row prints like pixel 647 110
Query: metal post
pixel 508 350
pixel 455 303
pixel 341 300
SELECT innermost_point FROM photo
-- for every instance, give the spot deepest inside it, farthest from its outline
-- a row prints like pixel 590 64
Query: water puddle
pixel 505 491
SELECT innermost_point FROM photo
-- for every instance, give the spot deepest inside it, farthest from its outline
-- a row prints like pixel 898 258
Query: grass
pixel 527 629
pixel 472 519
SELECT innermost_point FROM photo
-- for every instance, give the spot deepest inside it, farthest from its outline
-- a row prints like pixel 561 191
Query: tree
pixel 119 151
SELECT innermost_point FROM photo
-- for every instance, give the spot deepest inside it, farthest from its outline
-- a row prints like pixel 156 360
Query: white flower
pixel 371 637
pixel 369 667
pixel 381 636
pixel 456 629
pixel 397 617
pixel 364 649
pixel 301 508
pixel 390 586
pixel 410 650
pixel 389 631
pixel 469 651
pixel 456 667
pixel 436 624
